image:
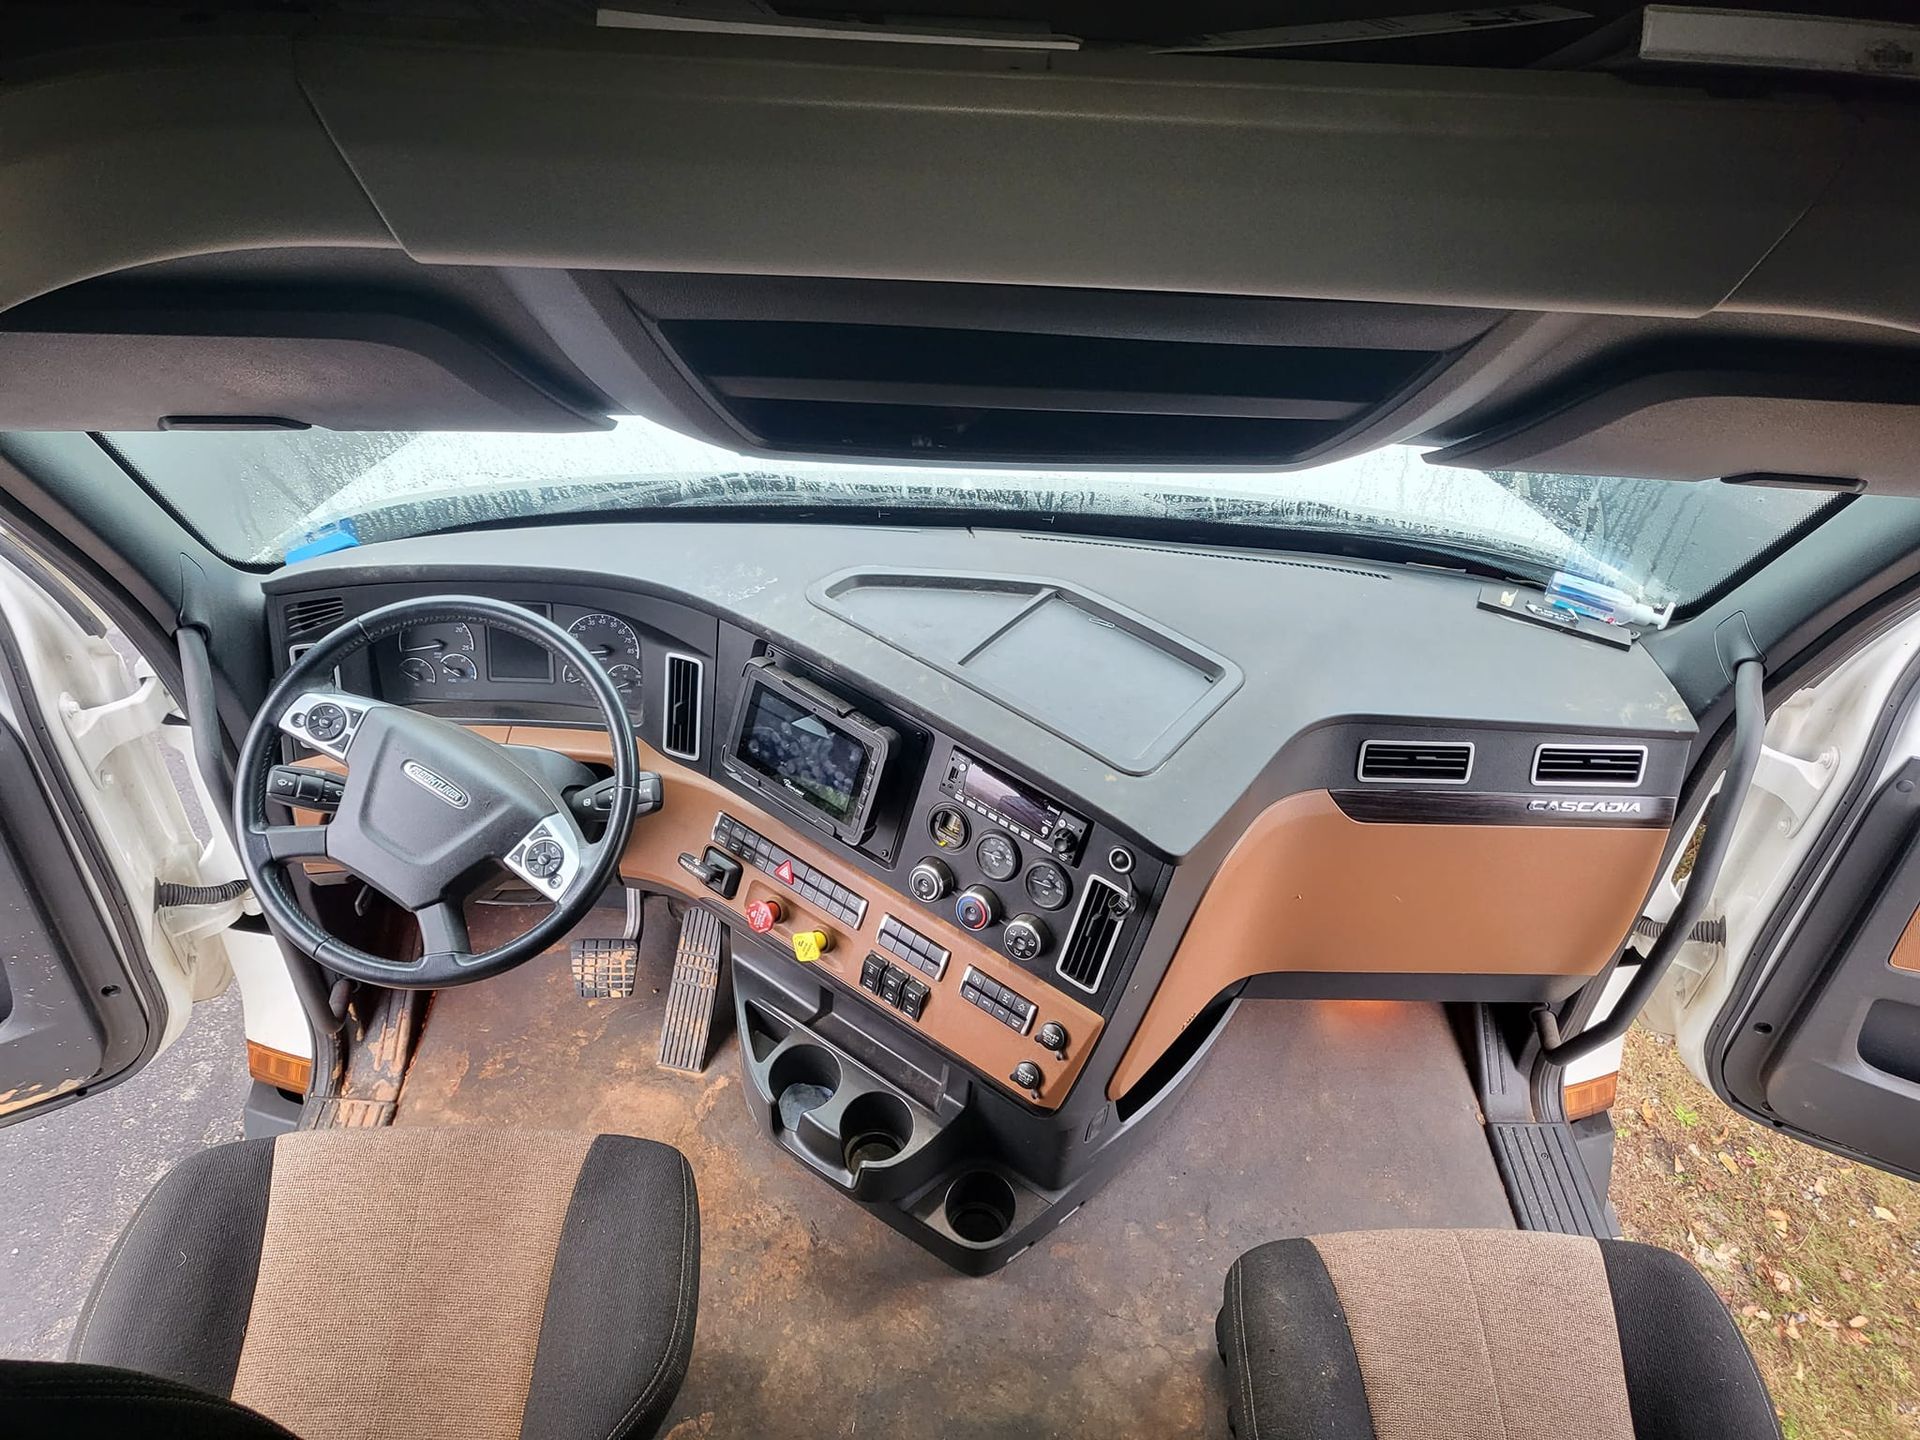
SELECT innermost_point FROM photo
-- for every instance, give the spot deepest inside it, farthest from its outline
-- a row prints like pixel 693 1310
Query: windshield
pixel 254 496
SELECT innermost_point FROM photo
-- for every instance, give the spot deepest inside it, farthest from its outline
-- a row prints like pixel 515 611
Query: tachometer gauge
pixel 611 641
pixel 433 641
pixel 458 668
pixel 419 670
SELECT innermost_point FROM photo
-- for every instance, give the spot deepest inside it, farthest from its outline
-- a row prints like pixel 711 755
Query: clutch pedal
pixel 688 1025
pixel 604 969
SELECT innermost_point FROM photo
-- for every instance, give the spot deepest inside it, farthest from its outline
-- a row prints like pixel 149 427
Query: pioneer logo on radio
pixel 1587 807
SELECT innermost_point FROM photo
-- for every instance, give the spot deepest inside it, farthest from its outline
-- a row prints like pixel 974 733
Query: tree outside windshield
pixel 255 495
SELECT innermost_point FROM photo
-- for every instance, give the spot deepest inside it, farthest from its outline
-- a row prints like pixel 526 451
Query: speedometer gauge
pixel 612 642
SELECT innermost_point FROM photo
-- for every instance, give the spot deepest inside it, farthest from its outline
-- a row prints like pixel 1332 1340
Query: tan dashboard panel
pixel 1906 951
pixel 1309 889
pixel 684 823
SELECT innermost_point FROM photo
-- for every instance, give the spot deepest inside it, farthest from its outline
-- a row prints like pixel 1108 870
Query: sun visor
pixel 1841 430
pixel 214 364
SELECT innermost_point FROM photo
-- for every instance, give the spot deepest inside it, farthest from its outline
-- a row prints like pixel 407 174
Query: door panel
pixel 1828 1045
pixel 70 1016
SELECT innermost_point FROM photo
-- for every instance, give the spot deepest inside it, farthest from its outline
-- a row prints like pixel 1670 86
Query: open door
pixel 95 979
pixel 1812 1023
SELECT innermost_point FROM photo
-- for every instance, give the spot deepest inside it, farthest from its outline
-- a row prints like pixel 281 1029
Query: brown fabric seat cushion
pixel 1482 1335
pixel 465 1284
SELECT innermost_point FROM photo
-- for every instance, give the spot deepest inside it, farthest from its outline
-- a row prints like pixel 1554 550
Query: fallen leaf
pixel 1848 1274
pixel 1646 1111
pixel 1732 1165
pixel 1820 1185
pixel 1858 1322
pixel 1679 1166
pixel 1792 1331
pixel 1880 1212
pixel 1776 1214
pixel 1782 1281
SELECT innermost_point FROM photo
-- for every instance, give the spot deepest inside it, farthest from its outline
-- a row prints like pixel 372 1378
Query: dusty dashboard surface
pixel 992 737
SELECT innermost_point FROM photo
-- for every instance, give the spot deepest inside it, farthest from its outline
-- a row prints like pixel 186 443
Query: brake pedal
pixel 604 969
pixel 688 1025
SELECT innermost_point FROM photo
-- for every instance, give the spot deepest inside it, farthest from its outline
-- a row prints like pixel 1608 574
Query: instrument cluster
pixel 455 660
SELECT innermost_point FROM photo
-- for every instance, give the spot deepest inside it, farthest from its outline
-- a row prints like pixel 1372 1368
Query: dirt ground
pixel 1818 1258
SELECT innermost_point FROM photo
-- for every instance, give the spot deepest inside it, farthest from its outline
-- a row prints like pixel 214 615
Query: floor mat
pixel 816 1318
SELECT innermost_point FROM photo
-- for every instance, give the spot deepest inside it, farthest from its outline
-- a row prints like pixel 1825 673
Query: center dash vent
pixel 1091 938
pixel 1416 762
pixel 1589 765
pixel 313 615
pixel 680 727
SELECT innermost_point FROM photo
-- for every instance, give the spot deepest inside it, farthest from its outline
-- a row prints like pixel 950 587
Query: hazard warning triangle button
pixel 784 872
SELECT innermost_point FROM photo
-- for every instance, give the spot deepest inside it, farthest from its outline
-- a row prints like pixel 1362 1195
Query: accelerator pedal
pixel 604 969
pixel 688 1025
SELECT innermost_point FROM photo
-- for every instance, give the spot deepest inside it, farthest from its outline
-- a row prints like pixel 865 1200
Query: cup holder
pixel 803 1078
pixel 980 1207
pixel 876 1127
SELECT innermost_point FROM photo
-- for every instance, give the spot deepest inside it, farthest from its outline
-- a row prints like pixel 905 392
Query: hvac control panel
pixel 1048 888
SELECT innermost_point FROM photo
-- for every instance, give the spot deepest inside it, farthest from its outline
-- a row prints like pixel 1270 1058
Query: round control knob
pixel 326 721
pixel 1052 1036
pixel 929 881
pixel 543 859
pixel 1026 937
pixel 1027 1075
pixel 976 907
pixel 763 915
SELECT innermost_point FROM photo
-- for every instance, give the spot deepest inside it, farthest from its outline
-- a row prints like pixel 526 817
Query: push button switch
pixel 810 945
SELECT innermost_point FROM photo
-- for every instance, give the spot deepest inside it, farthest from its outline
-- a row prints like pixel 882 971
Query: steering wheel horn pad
pixel 429 807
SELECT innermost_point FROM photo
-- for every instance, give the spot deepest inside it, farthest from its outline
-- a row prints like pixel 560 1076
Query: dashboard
pixel 1044 801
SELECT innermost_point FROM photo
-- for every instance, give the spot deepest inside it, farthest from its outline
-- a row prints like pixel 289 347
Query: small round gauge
pixel 999 857
pixel 626 679
pixel 419 669
pixel 459 668
pixel 609 639
pixel 1048 886
pixel 948 828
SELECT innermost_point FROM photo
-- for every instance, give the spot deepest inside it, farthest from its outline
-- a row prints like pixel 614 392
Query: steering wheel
pixel 428 808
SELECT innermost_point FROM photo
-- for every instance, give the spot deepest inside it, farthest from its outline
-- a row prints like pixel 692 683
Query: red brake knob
pixel 763 915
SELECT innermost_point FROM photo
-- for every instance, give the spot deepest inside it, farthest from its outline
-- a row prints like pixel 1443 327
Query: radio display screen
pixel 1004 798
pixel 815 760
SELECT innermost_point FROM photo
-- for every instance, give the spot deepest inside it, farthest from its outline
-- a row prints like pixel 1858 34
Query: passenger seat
pixel 1482 1335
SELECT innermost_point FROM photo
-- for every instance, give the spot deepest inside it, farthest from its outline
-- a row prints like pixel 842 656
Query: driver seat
pixel 464 1283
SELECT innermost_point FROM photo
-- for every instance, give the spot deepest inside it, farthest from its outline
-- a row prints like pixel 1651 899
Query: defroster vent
pixel 314 615
pixel 1416 762
pixel 1095 929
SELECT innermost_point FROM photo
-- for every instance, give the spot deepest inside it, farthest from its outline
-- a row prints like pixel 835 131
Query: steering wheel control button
pixel 976 907
pixel 1026 938
pixel 763 915
pixel 999 857
pixel 1002 1002
pixel 544 859
pixel 913 949
pixel 326 722
pixel 929 882
pixel 810 945
pixel 948 828
pixel 814 886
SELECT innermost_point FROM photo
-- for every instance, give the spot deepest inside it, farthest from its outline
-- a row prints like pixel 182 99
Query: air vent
pixel 1416 762
pixel 680 729
pixel 1018 396
pixel 1090 940
pixel 1586 766
pixel 314 616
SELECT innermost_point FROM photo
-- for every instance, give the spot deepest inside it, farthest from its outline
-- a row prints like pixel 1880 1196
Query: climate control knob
pixel 1026 937
pixel 929 882
pixel 976 907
